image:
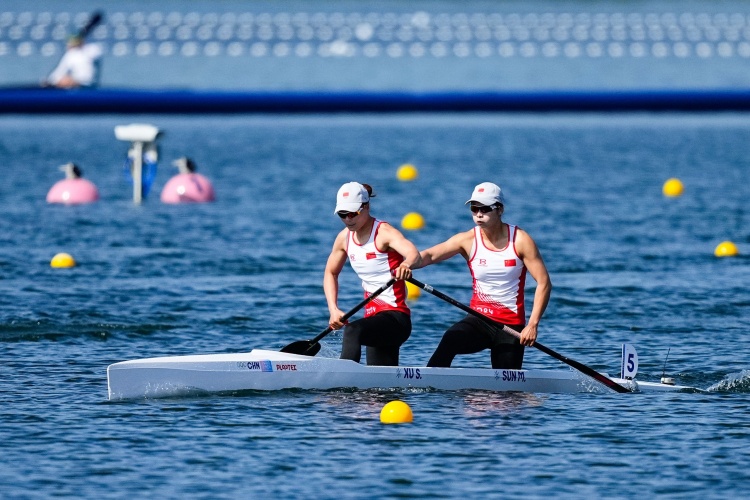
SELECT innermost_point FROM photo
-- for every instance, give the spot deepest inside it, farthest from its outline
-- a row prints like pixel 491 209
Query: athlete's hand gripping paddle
pixel 575 364
pixel 312 346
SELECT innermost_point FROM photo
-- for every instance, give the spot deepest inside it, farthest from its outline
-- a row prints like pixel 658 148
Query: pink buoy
pixel 187 186
pixel 74 189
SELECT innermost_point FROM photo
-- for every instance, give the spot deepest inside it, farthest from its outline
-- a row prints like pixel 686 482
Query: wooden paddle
pixel 311 347
pixel 575 364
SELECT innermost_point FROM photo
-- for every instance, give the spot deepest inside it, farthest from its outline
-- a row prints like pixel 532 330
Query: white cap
pixel 350 197
pixel 487 194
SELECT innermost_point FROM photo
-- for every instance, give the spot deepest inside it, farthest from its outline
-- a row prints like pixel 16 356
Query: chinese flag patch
pixel 510 262
pixel 370 255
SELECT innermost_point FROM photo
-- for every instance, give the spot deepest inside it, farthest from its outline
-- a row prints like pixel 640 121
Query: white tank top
pixel 499 279
pixel 374 269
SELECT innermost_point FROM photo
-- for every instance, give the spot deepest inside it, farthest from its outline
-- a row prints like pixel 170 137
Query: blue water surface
pixel 627 263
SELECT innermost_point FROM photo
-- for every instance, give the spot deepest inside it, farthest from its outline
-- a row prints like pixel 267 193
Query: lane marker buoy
pixel 726 249
pixel 62 260
pixel 396 412
pixel 412 291
pixel 412 221
pixel 673 187
pixel 407 172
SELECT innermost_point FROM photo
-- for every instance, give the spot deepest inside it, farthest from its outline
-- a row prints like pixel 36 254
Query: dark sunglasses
pixel 349 215
pixel 484 209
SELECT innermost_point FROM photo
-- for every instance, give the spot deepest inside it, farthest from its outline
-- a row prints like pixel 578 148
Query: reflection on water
pixel 493 404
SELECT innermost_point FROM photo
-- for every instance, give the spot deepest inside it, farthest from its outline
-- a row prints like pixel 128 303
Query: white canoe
pixel 265 370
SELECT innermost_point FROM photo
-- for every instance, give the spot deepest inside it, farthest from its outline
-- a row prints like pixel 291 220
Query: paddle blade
pixel 302 347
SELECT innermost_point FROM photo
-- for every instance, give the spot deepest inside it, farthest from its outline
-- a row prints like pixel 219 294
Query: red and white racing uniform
pixel 374 269
pixel 499 277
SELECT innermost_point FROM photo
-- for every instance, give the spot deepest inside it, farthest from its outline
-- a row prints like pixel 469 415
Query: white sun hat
pixel 350 197
pixel 487 194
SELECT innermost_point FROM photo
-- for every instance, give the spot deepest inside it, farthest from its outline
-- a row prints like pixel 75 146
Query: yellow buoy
pixel 396 412
pixel 673 187
pixel 412 221
pixel 726 249
pixel 62 260
pixel 407 172
pixel 412 291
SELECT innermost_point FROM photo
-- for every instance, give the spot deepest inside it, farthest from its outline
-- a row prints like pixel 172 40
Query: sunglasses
pixel 483 209
pixel 349 215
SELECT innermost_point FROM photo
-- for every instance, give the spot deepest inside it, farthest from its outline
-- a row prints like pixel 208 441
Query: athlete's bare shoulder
pixel 525 244
pixel 340 241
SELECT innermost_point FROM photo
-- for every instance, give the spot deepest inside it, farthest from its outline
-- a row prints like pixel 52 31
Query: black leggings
pixel 382 333
pixel 472 335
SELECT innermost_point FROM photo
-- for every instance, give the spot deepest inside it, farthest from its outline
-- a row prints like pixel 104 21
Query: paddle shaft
pixel 306 346
pixel 575 364
pixel 356 308
pixel 95 19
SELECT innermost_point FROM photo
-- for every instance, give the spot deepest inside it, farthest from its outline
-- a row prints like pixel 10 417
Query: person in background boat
pixel 498 255
pixel 376 251
pixel 79 66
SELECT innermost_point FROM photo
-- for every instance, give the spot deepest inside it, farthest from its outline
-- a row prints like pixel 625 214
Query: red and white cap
pixel 350 197
pixel 487 194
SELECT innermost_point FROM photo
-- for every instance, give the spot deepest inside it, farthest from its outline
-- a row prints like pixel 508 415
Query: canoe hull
pixel 264 370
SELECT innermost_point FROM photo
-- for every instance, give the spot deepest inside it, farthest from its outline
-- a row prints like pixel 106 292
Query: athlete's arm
pixel 456 244
pixel 529 253
pixel 390 238
pixel 335 264
pixel 62 69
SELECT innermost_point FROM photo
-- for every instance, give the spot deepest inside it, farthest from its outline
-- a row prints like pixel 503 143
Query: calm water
pixel 628 265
